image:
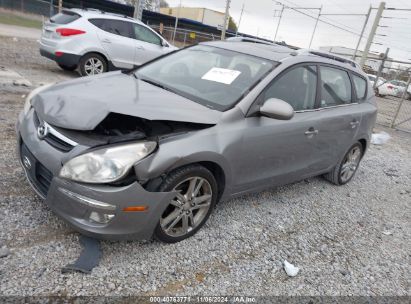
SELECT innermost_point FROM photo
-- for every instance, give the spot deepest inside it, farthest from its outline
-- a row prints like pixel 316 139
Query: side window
pixel 144 34
pixel 117 27
pixel 335 87
pixel 297 87
pixel 360 86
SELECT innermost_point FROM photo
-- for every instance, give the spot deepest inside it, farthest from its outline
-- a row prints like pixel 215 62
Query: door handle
pixel 140 47
pixel 106 41
pixel 311 131
pixel 354 124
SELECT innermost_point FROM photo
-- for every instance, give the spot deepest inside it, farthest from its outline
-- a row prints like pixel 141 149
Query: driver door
pixel 275 151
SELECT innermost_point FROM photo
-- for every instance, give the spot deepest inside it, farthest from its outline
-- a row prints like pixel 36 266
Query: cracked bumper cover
pixel 124 225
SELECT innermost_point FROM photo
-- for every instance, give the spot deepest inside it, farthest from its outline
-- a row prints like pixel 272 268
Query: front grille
pixel 58 143
pixel 53 140
pixel 37 173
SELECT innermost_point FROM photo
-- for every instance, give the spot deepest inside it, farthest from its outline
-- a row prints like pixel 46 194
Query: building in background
pixel 203 15
pixel 372 63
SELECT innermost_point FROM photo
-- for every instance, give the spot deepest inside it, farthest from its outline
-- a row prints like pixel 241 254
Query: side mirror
pixel 164 44
pixel 277 109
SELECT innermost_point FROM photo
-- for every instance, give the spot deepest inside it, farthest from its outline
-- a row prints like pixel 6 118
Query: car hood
pixel 81 104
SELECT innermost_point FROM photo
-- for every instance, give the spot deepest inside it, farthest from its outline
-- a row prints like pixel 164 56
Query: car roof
pixel 95 13
pixel 279 53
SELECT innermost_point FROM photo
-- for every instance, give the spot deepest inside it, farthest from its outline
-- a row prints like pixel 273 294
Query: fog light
pixel 100 218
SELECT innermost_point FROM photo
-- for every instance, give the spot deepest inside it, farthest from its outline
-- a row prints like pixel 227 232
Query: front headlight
pixel 106 165
pixel 27 103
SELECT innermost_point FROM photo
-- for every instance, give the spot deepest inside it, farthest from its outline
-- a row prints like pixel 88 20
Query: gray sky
pixel 258 19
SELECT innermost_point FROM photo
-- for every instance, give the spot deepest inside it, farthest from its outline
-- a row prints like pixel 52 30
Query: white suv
pixel 96 42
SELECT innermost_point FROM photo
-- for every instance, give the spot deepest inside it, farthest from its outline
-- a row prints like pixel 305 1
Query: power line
pixel 320 20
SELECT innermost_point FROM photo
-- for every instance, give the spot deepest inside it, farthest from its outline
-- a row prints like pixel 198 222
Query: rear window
pixel 335 87
pixel 116 27
pixel 360 86
pixel 64 17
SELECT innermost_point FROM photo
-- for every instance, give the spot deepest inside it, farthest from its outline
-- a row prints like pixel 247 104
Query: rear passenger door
pixel 148 44
pixel 116 37
pixel 339 113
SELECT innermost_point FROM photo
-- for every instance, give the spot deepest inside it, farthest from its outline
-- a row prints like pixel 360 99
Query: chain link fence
pixel 393 91
pixel 184 37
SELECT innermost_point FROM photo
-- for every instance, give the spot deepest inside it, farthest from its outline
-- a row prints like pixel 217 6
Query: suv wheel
pixel 196 196
pixel 92 64
pixel 67 67
pixel 346 168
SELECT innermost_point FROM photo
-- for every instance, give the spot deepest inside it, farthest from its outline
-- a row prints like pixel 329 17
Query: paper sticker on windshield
pixel 225 76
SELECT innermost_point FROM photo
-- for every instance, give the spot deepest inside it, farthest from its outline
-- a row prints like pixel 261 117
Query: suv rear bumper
pixel 65 59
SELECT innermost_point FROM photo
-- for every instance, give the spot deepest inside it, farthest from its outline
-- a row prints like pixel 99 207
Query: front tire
pixel 345 170
pixel 92 64
pixel 190 208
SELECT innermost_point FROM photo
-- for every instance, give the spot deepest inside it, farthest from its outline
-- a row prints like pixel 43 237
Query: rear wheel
pixel 346 168
pixel 67 67
pixel 187 212
pixel 92 64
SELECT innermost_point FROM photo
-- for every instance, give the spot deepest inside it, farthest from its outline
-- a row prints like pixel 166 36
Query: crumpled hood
pixel 81 104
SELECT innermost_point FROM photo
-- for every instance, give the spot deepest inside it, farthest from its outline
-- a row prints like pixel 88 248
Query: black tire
pixel 175 178
pixel 334 176
pixel 92 56
pixel 67 67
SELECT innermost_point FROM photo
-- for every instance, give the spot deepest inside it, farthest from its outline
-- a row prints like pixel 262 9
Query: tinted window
pixel 116 27
pixel 335 87
pixel 297 87
pixel 64 17
pixel 144 34
pixel 360 86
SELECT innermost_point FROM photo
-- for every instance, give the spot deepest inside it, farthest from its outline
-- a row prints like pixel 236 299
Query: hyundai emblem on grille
pixel 42 131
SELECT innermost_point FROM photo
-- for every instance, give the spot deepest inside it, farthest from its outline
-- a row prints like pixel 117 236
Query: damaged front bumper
pixel 94 210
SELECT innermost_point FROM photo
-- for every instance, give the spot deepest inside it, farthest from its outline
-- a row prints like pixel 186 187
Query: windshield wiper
pixel 158 85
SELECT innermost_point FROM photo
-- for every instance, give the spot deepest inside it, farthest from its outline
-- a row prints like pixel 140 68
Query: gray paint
pixel 253 151
pixel 81 104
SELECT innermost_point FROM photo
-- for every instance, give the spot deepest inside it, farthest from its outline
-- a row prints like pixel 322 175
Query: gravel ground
pixel 349 240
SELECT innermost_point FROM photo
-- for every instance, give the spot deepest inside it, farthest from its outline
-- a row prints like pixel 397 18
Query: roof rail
pixel 254 40
pixel 336 58
pixel 108 13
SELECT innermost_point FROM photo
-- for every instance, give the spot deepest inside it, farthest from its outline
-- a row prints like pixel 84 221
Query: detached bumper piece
pixel 88 259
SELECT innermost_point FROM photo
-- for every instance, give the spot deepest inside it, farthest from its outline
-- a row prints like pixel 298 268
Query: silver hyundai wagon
pixel 96 42
pixel 150 152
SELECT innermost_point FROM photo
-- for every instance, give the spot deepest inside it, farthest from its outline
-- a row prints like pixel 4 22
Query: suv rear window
pixel 64 17
pixel 116 27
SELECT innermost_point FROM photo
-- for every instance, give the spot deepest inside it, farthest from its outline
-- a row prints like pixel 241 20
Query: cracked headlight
pixel 106 165
pixel 27 103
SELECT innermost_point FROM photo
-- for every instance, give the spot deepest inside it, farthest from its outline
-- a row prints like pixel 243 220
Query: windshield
pixel 214 77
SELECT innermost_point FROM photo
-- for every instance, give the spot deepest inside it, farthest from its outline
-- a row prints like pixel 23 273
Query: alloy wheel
pixel 93 66
pixel 350 164
pixel 189 207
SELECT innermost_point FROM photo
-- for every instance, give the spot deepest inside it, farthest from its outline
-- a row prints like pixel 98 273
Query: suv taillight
pixel 69 32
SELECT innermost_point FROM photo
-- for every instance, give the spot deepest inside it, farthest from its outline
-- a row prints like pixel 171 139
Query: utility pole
pixel 239 20
pixel 362 32
pixel 138 9
pixel 383 59
pixel 372 33
pixel 176 23
pixel 279 20
pixel 226 16
pixel 60 5
pixel 315 26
